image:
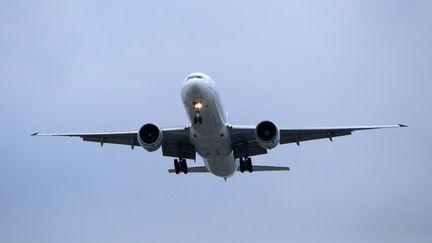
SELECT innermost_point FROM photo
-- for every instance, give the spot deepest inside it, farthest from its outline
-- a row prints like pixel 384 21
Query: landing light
pixel 198 105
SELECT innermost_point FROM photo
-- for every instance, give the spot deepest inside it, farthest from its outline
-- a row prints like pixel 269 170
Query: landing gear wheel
pixel 183 166
pixel 249 165
pixel 180 165
pixel 242 165
pixel 177 166
pixel 197 120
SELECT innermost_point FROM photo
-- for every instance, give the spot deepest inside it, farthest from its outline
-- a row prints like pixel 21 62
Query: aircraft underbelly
pixel 224 167
pixel 217 154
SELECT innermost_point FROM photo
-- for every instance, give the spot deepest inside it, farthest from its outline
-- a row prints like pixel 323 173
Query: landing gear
pixel 246 164
pixel 180 165
pixel 197 118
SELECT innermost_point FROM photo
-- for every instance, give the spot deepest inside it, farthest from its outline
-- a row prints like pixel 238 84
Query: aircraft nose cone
pixel 193 87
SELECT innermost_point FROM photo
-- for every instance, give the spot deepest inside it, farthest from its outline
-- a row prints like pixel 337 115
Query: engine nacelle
pixel 150 137
pixel 267 134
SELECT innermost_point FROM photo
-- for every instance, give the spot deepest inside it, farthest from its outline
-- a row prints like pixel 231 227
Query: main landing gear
pixel 246 164
pixel 180 165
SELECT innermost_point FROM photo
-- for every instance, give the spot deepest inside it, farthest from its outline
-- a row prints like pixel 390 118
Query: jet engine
pixel 150 137
pixel 267 134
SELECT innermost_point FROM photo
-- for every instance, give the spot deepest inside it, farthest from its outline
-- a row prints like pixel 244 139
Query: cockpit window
pixel 196 76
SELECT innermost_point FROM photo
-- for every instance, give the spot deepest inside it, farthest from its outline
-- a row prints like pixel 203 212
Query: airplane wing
pixel 243 137
pixel 176 142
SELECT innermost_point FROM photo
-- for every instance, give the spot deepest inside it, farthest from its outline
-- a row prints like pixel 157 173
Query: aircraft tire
pixel 242 165
pixel 183 166
pixel 249 165
pixel 176 166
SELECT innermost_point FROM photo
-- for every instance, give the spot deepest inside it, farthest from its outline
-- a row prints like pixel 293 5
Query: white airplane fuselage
pixel 210 137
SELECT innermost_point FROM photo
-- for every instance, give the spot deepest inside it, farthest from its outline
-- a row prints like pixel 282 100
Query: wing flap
pixel 178 150
pixel 289 137
pixel 123 141
pixel 247 149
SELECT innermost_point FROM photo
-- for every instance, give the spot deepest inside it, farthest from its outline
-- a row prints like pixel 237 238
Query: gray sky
pixel 68 66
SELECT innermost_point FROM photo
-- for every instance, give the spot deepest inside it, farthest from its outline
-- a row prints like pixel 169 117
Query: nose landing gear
pixel 180 165
pixel 246 164
pixel 197 118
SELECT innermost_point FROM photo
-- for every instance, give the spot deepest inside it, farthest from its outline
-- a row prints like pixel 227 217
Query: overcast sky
pixel 90 65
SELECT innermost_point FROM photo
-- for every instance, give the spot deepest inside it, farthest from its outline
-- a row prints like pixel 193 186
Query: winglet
pixel 34 134
pixel 402 125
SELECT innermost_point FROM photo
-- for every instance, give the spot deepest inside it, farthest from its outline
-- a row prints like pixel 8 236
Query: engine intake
pixel 267 134
pixel 150 137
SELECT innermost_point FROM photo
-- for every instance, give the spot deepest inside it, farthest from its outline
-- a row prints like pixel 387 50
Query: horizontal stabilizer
pixel 268 168
pixel 203 169
pixel 198 169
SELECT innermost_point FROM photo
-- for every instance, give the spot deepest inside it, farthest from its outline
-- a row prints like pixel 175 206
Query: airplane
pixel 225 148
